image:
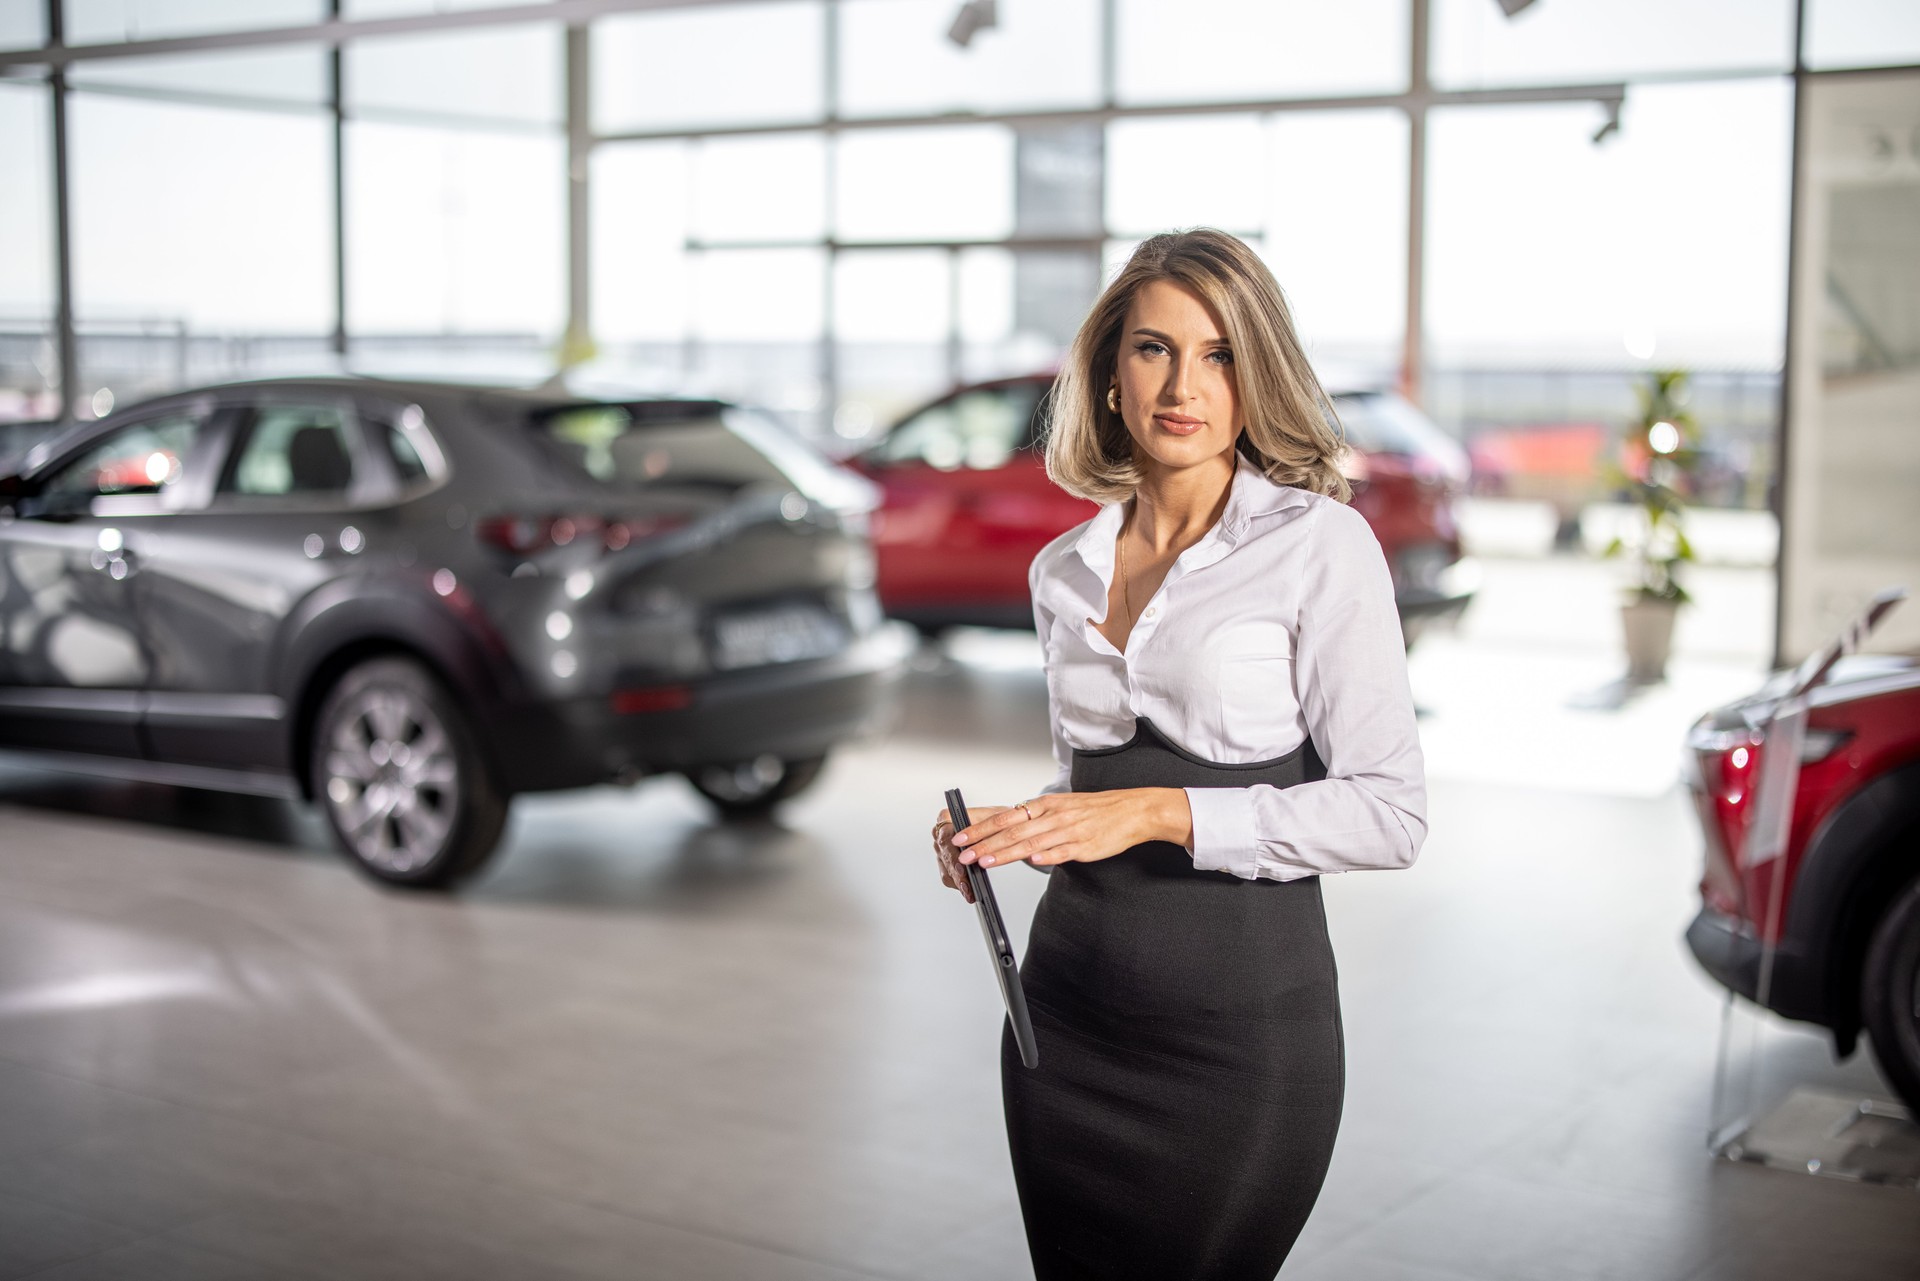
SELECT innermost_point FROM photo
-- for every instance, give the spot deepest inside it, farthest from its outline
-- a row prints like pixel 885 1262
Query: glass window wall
pixel 925 184
pixel 407 8
pixel 23 23
pixel 1336 229
pixel 168 229
pixel 640 286
pixel 1248 50
pixel 294 76
pixel 1186 171
pixel 28 371
pixel 659 71
pixel 504 74
pixel 762 295
pixel 1580 41
pixel 112 21
pixel 454 231
pixel 893 295
pixel 1666 243
pixel 896 59
pixel 26 207
pixel 1862 33
pixel 772 187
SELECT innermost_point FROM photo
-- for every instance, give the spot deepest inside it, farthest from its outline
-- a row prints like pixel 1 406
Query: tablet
pixel 999 945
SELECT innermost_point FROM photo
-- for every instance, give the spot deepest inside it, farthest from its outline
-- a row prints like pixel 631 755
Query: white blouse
pixel 1278 624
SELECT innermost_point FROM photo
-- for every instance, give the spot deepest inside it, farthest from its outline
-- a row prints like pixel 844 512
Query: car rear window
pixel 648 444
pixel 1378 424
pixel 639 445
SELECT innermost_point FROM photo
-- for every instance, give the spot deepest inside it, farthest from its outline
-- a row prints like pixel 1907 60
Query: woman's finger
pixel 992 825
pixel 1024 843
pixel 1045 831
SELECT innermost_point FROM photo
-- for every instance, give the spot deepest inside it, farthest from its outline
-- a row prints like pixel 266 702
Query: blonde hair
pixel 1292 432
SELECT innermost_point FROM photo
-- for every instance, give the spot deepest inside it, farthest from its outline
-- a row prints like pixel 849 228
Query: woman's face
pixel 1178 395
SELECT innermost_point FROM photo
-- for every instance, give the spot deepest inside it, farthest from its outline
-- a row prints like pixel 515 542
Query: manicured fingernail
pixel 987 861
pixel 961 838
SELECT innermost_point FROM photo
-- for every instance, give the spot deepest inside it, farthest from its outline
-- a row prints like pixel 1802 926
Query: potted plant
pixel 1660 451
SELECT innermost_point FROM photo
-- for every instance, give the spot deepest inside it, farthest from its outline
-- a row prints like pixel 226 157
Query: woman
pixel 1228 695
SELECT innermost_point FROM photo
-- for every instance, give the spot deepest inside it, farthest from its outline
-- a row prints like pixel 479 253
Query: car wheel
pixel 399 774
pixel 1890 994
pixel 751 789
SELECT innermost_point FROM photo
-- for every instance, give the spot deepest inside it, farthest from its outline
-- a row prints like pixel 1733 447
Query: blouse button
pixel 1151 611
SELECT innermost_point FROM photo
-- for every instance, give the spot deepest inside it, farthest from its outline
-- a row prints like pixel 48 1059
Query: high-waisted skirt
pixel 1183 1114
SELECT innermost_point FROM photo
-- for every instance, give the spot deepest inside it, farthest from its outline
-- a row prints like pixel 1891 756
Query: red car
pixel 968 504
pixel 1846 919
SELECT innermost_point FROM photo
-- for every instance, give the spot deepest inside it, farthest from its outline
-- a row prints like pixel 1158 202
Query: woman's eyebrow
pixel 1206 342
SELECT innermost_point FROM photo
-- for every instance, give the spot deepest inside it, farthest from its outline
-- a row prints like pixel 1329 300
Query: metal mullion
pixel 194 98
pixel 57 53
pixel 1419 94
pixel 1783 438
pixel 1068 244
pixel 65 344
pixel 1534 95
pixel 577 345
pixel 829 294
pixel 337 109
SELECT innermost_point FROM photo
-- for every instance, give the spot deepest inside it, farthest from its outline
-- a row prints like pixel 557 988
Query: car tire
pixel 1890 994
pixel 752 789
pixel 399 774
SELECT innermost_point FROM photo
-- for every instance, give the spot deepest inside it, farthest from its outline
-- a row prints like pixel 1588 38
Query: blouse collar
pixel 1250 495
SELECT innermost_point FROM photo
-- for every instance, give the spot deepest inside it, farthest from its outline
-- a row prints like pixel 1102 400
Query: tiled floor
pixel 645 1046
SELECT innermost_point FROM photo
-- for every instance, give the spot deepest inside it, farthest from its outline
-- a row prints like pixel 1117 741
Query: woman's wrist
pixel 1169 816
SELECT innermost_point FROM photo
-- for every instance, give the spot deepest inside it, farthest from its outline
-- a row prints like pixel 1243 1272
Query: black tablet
pixel 999 945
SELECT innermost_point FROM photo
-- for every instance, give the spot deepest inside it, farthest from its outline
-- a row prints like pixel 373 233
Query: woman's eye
pixel 1221 357
pixel 1151 348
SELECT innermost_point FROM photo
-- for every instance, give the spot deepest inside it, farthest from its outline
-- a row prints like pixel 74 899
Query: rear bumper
pixel 792 710
pixel 1733 956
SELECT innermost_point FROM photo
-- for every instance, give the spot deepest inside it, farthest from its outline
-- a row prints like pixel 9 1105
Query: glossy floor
pixel 645 1045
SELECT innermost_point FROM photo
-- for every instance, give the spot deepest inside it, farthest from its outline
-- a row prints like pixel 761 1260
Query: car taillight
pixel 528 535
pixel 1731 774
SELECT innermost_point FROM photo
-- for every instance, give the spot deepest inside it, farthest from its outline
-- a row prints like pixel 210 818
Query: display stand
pixel 1816 1131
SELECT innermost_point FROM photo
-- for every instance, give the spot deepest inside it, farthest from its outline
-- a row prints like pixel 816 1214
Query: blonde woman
pixel 1231 719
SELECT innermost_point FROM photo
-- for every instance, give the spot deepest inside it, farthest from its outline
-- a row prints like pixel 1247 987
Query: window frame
pixel 190 493
pixel 1026 439
pixel 371 481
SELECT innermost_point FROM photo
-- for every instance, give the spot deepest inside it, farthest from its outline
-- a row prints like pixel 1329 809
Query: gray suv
pixel 408 602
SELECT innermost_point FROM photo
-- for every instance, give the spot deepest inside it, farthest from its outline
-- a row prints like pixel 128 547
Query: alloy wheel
pixel 392 779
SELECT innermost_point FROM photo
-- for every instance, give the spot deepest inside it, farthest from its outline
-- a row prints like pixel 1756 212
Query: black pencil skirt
pixel 1191 1070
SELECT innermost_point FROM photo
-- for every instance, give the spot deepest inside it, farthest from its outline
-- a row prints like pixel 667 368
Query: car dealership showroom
pixel 525 523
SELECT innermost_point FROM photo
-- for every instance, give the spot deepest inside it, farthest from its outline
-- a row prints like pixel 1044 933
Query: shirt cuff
pixel 1224 836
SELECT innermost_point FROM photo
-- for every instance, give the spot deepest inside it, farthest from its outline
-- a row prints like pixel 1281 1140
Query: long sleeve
pixel 1043 625
pixel 1350 676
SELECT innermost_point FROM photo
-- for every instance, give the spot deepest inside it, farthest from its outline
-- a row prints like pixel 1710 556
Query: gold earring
pixel 1113 400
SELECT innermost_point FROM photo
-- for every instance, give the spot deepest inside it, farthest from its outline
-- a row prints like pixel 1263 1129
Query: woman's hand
pixel 952 874
pixel 1077 827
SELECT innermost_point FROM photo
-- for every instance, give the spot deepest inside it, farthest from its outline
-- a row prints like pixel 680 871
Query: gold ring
pixel 1028 812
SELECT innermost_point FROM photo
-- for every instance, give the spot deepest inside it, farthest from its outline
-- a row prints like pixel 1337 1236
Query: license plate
pixel 784 635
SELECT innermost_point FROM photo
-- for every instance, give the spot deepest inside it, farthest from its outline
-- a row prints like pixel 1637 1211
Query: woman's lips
pixel 1179 424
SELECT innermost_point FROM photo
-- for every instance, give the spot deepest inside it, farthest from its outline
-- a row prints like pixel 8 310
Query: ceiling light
pixel 974 17
pixel 1612 125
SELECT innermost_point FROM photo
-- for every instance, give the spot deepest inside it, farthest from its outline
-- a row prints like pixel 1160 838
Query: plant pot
pixel 1648 625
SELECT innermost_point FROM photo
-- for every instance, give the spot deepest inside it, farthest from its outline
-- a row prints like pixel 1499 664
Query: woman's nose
pixel 1178 388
